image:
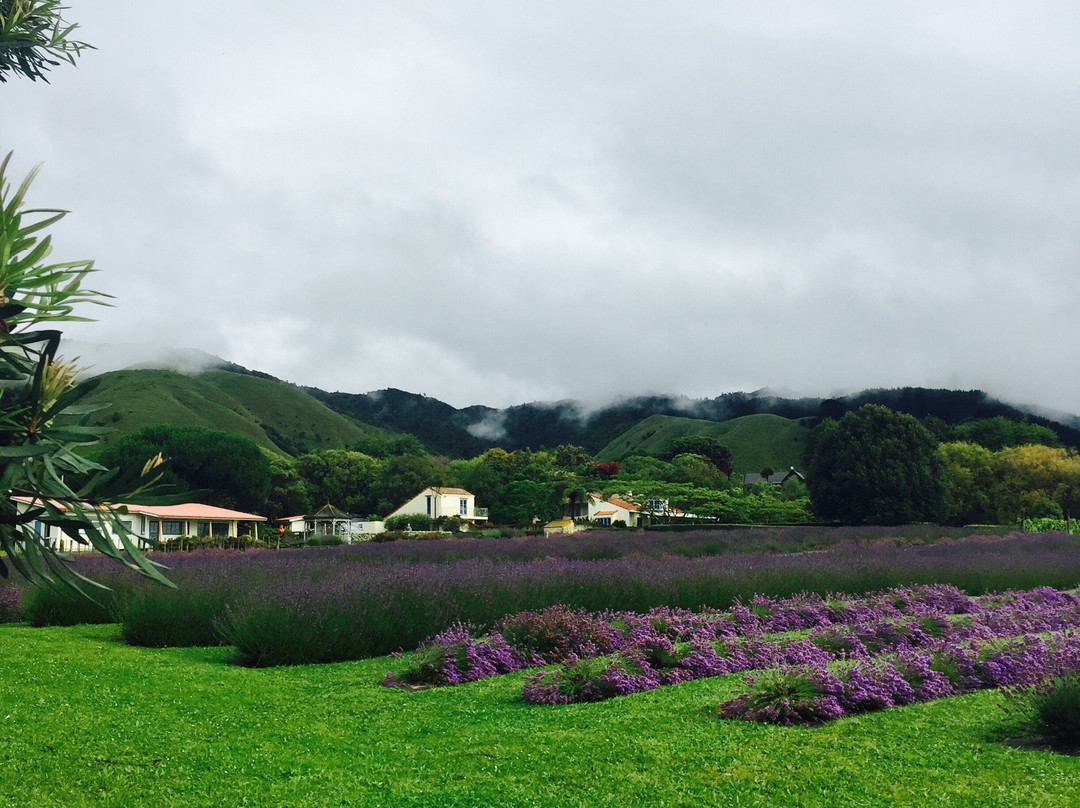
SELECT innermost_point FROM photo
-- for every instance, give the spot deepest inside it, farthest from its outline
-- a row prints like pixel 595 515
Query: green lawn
pixel 88 721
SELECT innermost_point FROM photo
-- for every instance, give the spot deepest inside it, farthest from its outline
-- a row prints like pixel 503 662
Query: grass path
pixel 88 721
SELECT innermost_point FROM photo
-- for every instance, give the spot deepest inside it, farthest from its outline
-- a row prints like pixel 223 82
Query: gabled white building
pixel 443 502
pixel 613 509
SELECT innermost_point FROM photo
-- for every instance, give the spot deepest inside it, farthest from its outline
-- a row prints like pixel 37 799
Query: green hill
pixel 755 441
pixel 274 414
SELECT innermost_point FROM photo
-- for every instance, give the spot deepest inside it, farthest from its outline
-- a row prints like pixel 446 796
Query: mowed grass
pixel 89 721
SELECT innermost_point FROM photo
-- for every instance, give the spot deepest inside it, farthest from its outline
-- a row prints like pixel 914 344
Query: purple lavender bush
pixel 10 604
pixel 454 657
pixel 788 697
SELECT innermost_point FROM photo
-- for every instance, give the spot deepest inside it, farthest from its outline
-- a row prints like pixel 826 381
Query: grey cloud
pixel 491 203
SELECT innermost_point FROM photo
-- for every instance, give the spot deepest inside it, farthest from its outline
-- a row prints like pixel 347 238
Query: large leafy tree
pixel 34 37
pixel 876 466
pixel 347 480
pixel 218 468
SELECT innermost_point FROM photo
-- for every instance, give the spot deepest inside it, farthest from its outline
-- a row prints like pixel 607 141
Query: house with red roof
pixel 613 509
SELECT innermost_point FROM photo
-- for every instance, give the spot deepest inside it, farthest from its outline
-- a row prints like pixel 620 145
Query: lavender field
pixel 339 603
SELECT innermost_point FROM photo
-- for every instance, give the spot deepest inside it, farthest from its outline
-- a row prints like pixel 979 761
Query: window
pixel 604 520
pixel 464 507
pixel 153 529
pixel 220 528
pixel 428 499
pixel 172 527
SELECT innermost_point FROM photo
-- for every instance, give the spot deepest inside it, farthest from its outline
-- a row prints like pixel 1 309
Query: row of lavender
pixel 850 655
pixel 316 605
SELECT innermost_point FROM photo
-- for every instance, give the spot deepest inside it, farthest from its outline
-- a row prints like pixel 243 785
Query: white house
pixel 613 509
pixel 442 502
pixel 152 523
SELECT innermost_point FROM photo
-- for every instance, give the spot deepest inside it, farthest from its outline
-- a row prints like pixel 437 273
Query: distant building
pixel 444 502
pixel 776 478
pixel 331 521
pixel 613 509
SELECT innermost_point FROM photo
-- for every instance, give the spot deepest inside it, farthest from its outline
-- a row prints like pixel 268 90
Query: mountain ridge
pixel 469 431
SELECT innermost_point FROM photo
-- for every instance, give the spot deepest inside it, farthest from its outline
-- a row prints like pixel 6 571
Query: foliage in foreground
pixel 33 37
pixel 42 419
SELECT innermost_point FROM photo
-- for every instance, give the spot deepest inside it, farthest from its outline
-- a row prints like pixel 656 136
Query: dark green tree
pixel 875 466
pixel 404 477
pixel 1000 432
pixel 288 493
pixel 347 480
pixel 708 447
pixel 571 458
pixel 219 468
pixel 524 501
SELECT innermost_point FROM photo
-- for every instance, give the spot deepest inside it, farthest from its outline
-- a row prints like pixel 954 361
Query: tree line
pixel 870 466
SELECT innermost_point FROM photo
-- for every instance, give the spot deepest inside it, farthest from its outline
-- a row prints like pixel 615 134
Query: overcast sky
pixel 493 203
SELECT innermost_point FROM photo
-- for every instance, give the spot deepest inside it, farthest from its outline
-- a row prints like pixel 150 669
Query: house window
pixel 220 528
pixel 428 500
pixel 172 527
pixel 604 520
pixel 464 507
pixel 153 529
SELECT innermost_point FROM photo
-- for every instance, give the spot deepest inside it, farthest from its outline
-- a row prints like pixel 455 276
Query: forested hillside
pixel 755 441
pixel 295 419
pixel 274 414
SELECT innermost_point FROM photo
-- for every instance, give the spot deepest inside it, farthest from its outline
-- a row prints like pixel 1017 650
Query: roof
pixel 622 503
pixel 452 491
pixel 776 478
pixel 184 510
pixel 328 511
pixel 193 510
pixel 606 513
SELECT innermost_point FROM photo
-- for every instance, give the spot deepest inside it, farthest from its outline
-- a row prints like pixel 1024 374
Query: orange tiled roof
pixel 622 503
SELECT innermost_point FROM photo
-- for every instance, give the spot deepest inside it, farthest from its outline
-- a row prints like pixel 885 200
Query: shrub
pixel 591 679
pixel 10 604
pixel 1050 709
pixel 788 697
pixel 454 656
pixel 163 618
pixel 48 606
pixel 409 521
pixel 558 633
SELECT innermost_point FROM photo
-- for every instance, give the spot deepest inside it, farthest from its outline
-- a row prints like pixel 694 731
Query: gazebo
pixel 328 521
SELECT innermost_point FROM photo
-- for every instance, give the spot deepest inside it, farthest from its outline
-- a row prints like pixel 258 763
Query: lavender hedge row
pixel 314 605
pixel 898 647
